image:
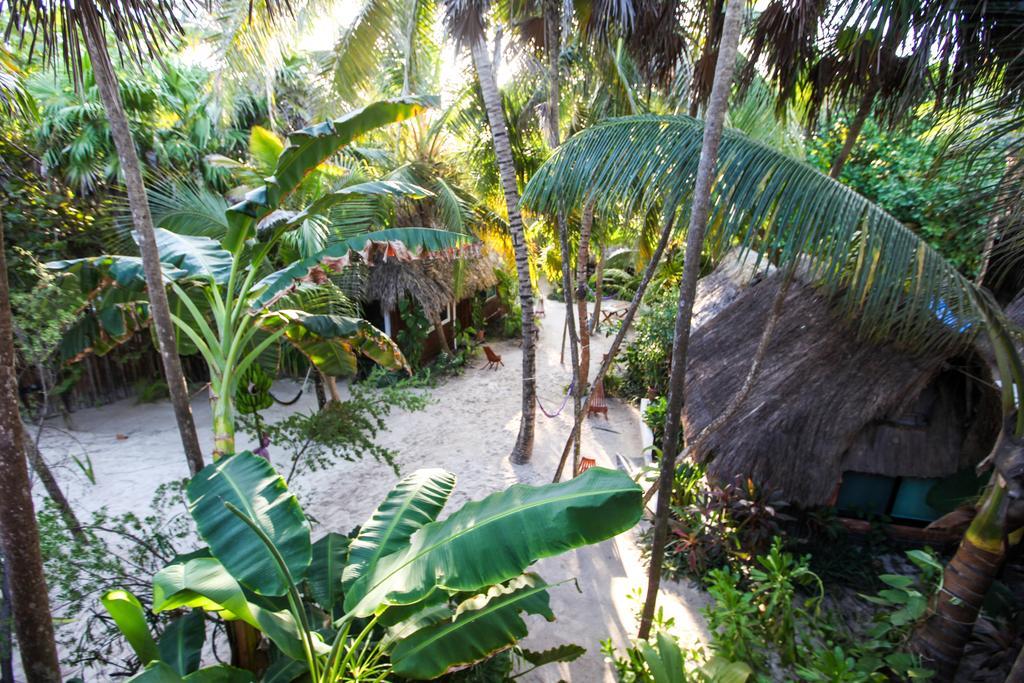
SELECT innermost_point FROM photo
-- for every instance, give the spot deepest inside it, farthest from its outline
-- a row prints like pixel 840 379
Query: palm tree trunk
pixel 574 341
pixel 19 536
pixel 714 121
pixel 940 640
pixel 609 357
pixel 582 258
pixel 6 636
pixel 598 290
pixel 523 449
pixel 106 80
pixel 853 133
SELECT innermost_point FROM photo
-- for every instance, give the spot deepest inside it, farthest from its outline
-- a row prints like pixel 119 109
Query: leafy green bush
pixel 644 363
pixel 344 430
pixel 407 595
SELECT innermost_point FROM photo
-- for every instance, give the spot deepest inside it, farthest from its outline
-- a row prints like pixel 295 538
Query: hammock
pixel 298 395
pixel 565 399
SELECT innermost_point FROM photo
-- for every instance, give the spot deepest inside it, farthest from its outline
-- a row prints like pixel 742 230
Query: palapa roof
pixel 432 284
pixel 826 401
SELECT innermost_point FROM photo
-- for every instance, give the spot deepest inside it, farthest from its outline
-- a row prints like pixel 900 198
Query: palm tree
pixel 138 27
pixel 465 23
pixel 880 272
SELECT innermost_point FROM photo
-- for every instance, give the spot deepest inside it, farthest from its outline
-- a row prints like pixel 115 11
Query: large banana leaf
pixel 94 272
pixel 203 583
pixel 200 257
pixel 112 325
pixel 181 644
pixel 307 149
pixel 161 672
pixel 333 343
pixel 251 485
pixel 403 244
pixel 482 626
pixel 495 539
pixel 382 188
pixel 325 571
pixel 414 502
pixel 127 612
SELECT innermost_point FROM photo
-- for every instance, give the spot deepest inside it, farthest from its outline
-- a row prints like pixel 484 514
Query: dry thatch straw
pixel 432 284
pixel 826 401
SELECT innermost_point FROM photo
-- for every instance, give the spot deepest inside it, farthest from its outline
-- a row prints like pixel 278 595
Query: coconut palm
pixel 139 27
pixel 879 271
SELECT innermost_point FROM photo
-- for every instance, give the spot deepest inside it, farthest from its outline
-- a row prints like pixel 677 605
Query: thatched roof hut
pixel 433 284
pixel 826 401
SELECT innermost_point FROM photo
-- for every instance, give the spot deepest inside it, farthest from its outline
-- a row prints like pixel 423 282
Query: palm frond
pixel 882 273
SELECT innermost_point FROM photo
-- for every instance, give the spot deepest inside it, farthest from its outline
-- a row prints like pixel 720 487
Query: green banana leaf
pixel 333 343
pixel 201 582
pixel 325 571
pixel 113 325
pixel 404 244
pixel 160 672
pixel 127 612
pixel 94 272
pixel 495 539
pixel 402 621
pixel 569 652
pixel 284 671
pixel 204 583
pixel 200 257
pixel 415 501
pixel 307 149
pixel 287 220
pixel 482 626
pixel 251 485
pixel 181 644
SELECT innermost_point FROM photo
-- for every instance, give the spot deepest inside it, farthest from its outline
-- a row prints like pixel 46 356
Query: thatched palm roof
pixel 826 401
pixel 433 284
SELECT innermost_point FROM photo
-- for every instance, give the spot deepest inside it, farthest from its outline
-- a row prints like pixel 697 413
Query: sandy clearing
pixel 468 429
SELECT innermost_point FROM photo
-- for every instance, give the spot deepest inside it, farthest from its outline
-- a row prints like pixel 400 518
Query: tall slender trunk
pixel 940 640
pixel 598 290
pixel 859 119
pixel 574 341
pixel 6 635
pixel 523 449
pixel 53 490
pixel 19 536
pixel 582 258
pixel 714 120
pixel 552 44
pixel 442 338
pixel 106 80
pixel 609 357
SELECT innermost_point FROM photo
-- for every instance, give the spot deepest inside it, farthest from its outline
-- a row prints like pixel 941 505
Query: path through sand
pixel 469 429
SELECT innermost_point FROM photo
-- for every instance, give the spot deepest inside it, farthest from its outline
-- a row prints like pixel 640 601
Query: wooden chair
pixel 598 404
pixel 493 359
pixel 585 464
pixel 479 336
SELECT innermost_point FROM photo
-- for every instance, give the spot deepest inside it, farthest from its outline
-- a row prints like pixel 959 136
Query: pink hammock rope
pixel 565 400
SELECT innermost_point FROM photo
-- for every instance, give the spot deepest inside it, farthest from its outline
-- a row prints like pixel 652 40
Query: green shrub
pixel 644 364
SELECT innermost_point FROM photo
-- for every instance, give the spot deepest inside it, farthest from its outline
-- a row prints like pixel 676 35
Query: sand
pixel 468 429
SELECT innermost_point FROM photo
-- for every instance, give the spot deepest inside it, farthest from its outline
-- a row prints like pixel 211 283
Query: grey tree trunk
pixel 609 357
pixel 6 636
pixel 582 258
pixel 523 449
pixel 598 290
pixel 714 121
pixel 856 126
pixel 53 490
pixel 19 536
pixel 552 28
pixel 106 81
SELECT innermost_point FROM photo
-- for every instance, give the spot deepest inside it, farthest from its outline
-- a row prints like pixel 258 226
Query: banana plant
pixel 408 595
pixel 222 305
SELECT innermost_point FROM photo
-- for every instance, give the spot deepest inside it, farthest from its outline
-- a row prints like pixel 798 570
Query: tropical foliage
pixel 407 594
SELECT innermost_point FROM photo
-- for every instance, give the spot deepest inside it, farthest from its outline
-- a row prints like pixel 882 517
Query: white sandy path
pixel 469 429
